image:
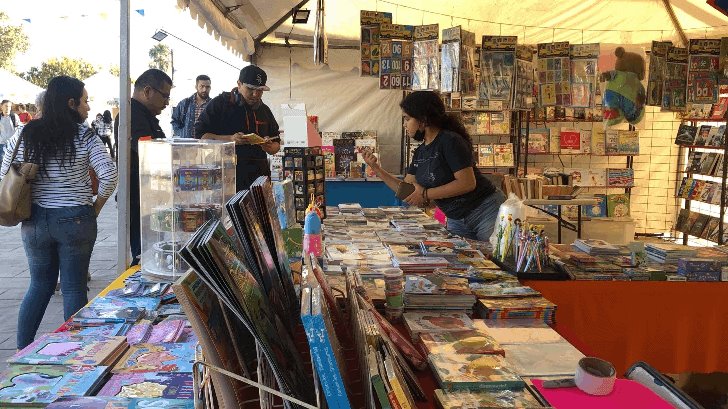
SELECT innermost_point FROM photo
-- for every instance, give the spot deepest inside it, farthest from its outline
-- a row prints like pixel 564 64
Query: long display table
pixel 674 326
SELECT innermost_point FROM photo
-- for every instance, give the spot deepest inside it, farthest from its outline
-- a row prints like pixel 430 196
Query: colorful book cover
pixel 62 348
pixel 39 385
pixel 486 156
pixel 105 402
pixel 102 331
pixel 686 134
pixel 598 141
pixel 485 399
pixel 597 210
pixel 620 177
pixel 396 49
pixel 167 331
pixel 503 155
pixel 538 141
pixel 473 372
pixel 570 140
pixel 168 385
pixel 628 142
pixel 547 359
pixel 676 73
pixel 115 309
pixel 701 139
pixel 618 205
pixel 612 142
pixel 498 123
pixel 163 357
pixel 692 218
pixel 696 189
pixel 140 332
pixel 419 322
pixel 370 22
pixel 703 64
pixel 699 226
pixel 461 342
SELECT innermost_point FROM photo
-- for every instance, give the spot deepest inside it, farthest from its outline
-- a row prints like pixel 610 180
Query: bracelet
pixel 424 194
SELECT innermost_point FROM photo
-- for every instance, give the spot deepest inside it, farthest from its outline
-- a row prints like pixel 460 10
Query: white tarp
pixel 17 89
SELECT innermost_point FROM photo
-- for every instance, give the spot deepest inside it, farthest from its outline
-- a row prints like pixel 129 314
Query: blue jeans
pixel 55 240
pixel 479 224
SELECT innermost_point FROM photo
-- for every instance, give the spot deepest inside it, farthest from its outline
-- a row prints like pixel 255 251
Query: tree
pixel 161 57
pixel 14 41
pixel 54 67
pixel 115 70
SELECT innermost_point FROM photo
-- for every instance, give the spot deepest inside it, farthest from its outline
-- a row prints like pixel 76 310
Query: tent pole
pixel 676 22
pixel 278 23
pixel 122 239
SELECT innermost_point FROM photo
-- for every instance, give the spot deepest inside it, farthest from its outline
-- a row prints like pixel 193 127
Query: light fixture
pixel 300 16
pixel 160 35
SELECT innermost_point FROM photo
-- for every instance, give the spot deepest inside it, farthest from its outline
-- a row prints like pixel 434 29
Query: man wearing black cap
pixel 231 116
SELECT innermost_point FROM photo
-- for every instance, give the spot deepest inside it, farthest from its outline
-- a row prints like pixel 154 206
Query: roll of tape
pixel 595 376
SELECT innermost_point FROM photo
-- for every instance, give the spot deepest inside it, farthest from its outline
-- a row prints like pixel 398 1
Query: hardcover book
pixel 618 205
pixel 162 357
pixel 39 385
pixel 473 372
pixel 486 156
pixel 429 322
pixel 115 309
pixel 460 342
pixel 485 399
pixel 168 385
pixel 519 331
pixel 62 348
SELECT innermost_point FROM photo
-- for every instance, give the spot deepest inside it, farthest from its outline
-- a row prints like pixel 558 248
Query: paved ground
pixel 14 278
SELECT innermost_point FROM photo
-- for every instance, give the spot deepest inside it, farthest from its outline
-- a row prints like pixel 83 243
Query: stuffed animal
pixel 625 96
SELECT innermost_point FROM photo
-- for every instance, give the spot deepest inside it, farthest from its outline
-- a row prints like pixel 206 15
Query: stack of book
pixel 437 292
pixel 668 252
pixel 700 269
pixel 39 385
pixel 485 399
pixel 509 308
pixel 435 322
pixel 419 264
pixel 596 247
pixel 64 348
pixel 101 402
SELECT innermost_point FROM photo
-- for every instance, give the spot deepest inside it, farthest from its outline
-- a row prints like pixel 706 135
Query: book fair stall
pixel 319 287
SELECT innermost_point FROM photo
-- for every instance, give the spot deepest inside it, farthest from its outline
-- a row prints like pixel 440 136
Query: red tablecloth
pixel 673 326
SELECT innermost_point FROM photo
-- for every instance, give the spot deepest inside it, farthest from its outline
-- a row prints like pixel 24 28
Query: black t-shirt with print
pixel 435 165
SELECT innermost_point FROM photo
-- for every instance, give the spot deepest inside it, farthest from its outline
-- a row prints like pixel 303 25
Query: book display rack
pixel 305 166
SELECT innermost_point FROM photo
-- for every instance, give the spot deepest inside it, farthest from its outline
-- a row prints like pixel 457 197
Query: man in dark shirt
pixel 150 97
pixel 231 116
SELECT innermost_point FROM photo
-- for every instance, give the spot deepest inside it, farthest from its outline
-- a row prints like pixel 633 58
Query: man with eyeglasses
pixel 233 116
pixel 150 97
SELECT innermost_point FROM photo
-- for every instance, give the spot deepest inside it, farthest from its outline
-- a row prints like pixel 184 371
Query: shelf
pixel 577 154
pixel 697 200
pixel 702 146
pixel 566 120
pixel 494 167
pixel 702 120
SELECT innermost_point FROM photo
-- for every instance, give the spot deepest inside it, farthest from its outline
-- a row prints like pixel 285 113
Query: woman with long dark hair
pixel 60 234
pixel 443 169
pixel 103 126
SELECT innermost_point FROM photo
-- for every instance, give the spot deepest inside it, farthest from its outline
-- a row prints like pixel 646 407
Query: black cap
pixel 254 77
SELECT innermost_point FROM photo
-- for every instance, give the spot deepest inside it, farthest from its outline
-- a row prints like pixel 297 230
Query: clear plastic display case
pixel 183 184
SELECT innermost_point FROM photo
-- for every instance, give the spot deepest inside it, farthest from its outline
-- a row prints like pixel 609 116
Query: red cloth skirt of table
pixel 673 326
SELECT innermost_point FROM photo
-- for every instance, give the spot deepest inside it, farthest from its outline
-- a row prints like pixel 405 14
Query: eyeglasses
pixel 164 96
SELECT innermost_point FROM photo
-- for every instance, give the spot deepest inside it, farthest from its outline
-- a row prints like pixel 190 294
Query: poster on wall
pixel 369 44
pixel 656 75
pixel 497 71
pixel 554 84
pixel 584 75
pixel 525 78
pixel 425 60
pixel 703 61
pixel 675 83
pixel 395 68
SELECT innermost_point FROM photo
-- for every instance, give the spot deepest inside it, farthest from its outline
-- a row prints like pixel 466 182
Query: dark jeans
pixel 55 240
pixel 480 223
pixel 107 141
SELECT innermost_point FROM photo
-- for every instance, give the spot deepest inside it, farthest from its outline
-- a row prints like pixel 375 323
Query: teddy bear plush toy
pixel 625 96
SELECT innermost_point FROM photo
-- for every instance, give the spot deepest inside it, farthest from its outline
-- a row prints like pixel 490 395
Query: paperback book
pixel 618 205
pixel 167 385
pixel 428 322
pixel 620 177
pixel 39 385
pixel 538 141
pixel 584 74
pixel 103 310
pixel 460 342
pixel 473 372
pixel 543 359
pixel 161 357
pixel 656 75
pixel 485 399
pixel 497 71
pixel 63 348
pixel 554 76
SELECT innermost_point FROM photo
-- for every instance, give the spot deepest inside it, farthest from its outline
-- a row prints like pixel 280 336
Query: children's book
pixel 597 210
pixel 101 402
pixel 618 205
pixel 538 141
pixel 162 357
pixel 115 309
pixel 167 331
pixel 620 177
pixel 62 348
pixel 570 140
pixel 460 342
pixel 421 322
pixel 473 372
pixel 39 385
pixel 503 155
pixel 486 156
pixel 628 143
pixel 167 385
pixel 598 141
pixel 686 134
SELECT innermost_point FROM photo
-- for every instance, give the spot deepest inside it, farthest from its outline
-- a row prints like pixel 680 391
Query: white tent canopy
pixel 103 88
pixel 533 21
pixel 17 89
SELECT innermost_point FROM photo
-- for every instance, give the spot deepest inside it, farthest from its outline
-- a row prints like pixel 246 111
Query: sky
pixel 89 29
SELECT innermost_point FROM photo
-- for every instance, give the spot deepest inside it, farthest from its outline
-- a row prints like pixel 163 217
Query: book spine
pixel 483 386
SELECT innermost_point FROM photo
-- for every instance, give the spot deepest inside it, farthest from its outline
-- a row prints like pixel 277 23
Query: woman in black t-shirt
pixel 443 168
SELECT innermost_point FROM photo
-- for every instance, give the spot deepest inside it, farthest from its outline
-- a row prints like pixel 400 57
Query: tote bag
pixel 15 191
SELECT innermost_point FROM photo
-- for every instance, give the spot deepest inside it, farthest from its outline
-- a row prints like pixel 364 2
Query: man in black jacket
pixel 150 97
pixel 231 116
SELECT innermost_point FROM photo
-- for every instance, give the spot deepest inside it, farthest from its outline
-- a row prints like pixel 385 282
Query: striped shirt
pixel 70 185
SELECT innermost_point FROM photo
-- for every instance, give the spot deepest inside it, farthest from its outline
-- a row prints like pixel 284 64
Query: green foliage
pixel 59 66
pixel 115 70
pixel 161 57
pixel 14 41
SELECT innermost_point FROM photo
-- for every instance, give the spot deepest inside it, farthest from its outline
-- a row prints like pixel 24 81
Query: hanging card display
pixel 395 68
pixel 370 22
pixel 584 76
pixel 425 60
pixel 497 71
pixel 554 84
pixel 525 78
pixel 703 58
pixel 675 83
pixel 656 76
